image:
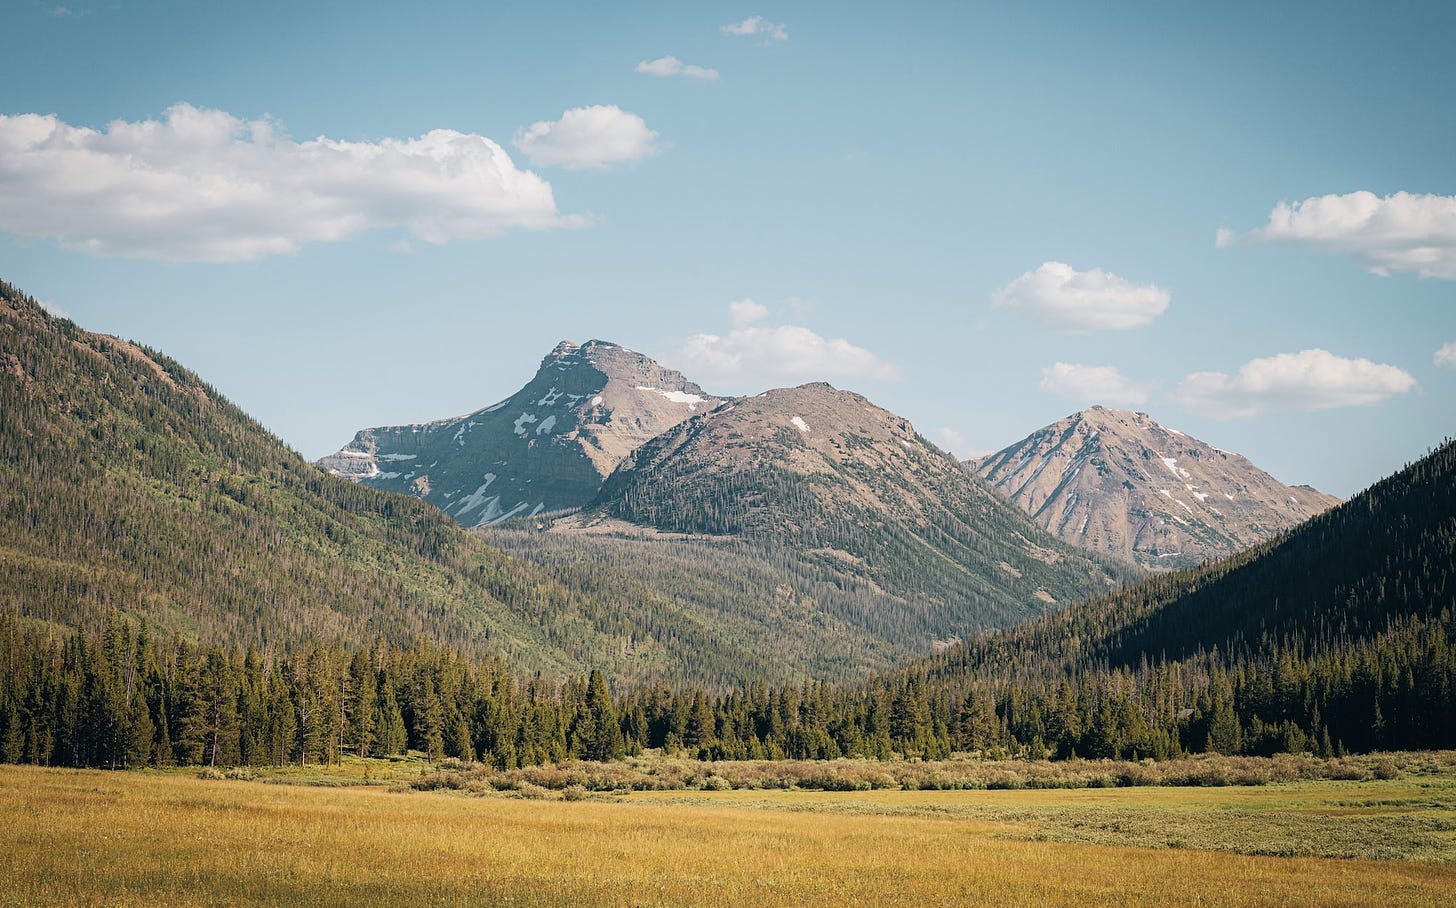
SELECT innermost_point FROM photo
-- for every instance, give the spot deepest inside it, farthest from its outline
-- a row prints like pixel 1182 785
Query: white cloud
pixel 1308 380
pixel 1446 356
pixel 1094 384
pixel 665 67
pixel 1400 232
pixel 742 313
pixel 203 185
pixel 956 443
pixel 760 356
pixel 1070 300
pixel 53 309
pixel 588 138
pixel 758 25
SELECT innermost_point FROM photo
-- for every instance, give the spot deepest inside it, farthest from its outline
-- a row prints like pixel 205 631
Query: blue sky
pixel 981 217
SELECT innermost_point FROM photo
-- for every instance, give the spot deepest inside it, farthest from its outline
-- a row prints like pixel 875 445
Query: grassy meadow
pixel 85 837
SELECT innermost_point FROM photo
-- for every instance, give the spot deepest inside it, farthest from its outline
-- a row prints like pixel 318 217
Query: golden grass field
pixel 80 837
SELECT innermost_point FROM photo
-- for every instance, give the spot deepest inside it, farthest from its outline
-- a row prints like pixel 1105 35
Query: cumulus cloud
pixel 1309 380
pixel 666 67
pixel 761 356
pixel 203 185
pixel 742 313
pixel 758 25
pixel 1070 300
pixel 956 443
pixel 1094 384
pixel 1400 232
pixel 1446 356
pixel 588 138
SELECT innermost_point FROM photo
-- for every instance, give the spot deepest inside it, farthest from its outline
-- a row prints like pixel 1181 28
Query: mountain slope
pixel 128 484
pixel 851 489
pixel 736 609
pixel 1339 636
pixel 1350 574
pixel 545 448
pixel 1119 483
pixel 1340 633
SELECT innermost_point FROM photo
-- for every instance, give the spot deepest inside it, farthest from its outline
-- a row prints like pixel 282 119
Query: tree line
pixel 122 697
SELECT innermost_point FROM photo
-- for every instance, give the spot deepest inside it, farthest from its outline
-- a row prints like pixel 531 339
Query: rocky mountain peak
pixel 1119 482
pixel 544 448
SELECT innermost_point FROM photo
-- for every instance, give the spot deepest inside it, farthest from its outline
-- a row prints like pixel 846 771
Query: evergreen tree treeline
pixel 125 698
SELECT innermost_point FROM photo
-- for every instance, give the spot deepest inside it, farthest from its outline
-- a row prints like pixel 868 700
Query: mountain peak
pixel 544 448
pixel 1119 482
pixel 824 472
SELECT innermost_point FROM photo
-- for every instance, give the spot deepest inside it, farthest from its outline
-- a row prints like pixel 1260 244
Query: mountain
pixel 825 479
pixel 1118 483
pixel 128 485
pixel 545 448
pixel 1340 633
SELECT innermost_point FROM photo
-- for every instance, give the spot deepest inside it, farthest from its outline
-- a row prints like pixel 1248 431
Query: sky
pixel 1239 218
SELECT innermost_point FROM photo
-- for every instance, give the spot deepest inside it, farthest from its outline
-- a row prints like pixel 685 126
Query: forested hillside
pixel 128 486
pixel 1376 670
pixel 1339 635
pixel 748 613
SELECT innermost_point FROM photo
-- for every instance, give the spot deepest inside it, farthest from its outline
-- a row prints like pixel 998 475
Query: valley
pixel 680 454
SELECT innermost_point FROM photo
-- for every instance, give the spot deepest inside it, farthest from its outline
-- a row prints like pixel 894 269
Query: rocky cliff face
pixel 545 448
pixel 1119 483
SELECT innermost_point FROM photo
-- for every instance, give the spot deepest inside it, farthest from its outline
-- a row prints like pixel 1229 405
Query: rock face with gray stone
pixel 545 448
pixel 1117 482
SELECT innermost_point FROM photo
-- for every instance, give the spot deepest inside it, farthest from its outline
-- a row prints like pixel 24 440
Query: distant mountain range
pixel 800 533
pixel 813 529
pixel 1108 481
pixel 1116 482
pixel 177 509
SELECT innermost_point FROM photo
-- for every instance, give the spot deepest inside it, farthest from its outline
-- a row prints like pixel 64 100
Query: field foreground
pixel 93 838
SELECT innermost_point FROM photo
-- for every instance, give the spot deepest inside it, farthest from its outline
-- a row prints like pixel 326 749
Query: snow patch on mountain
pixel 677 397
